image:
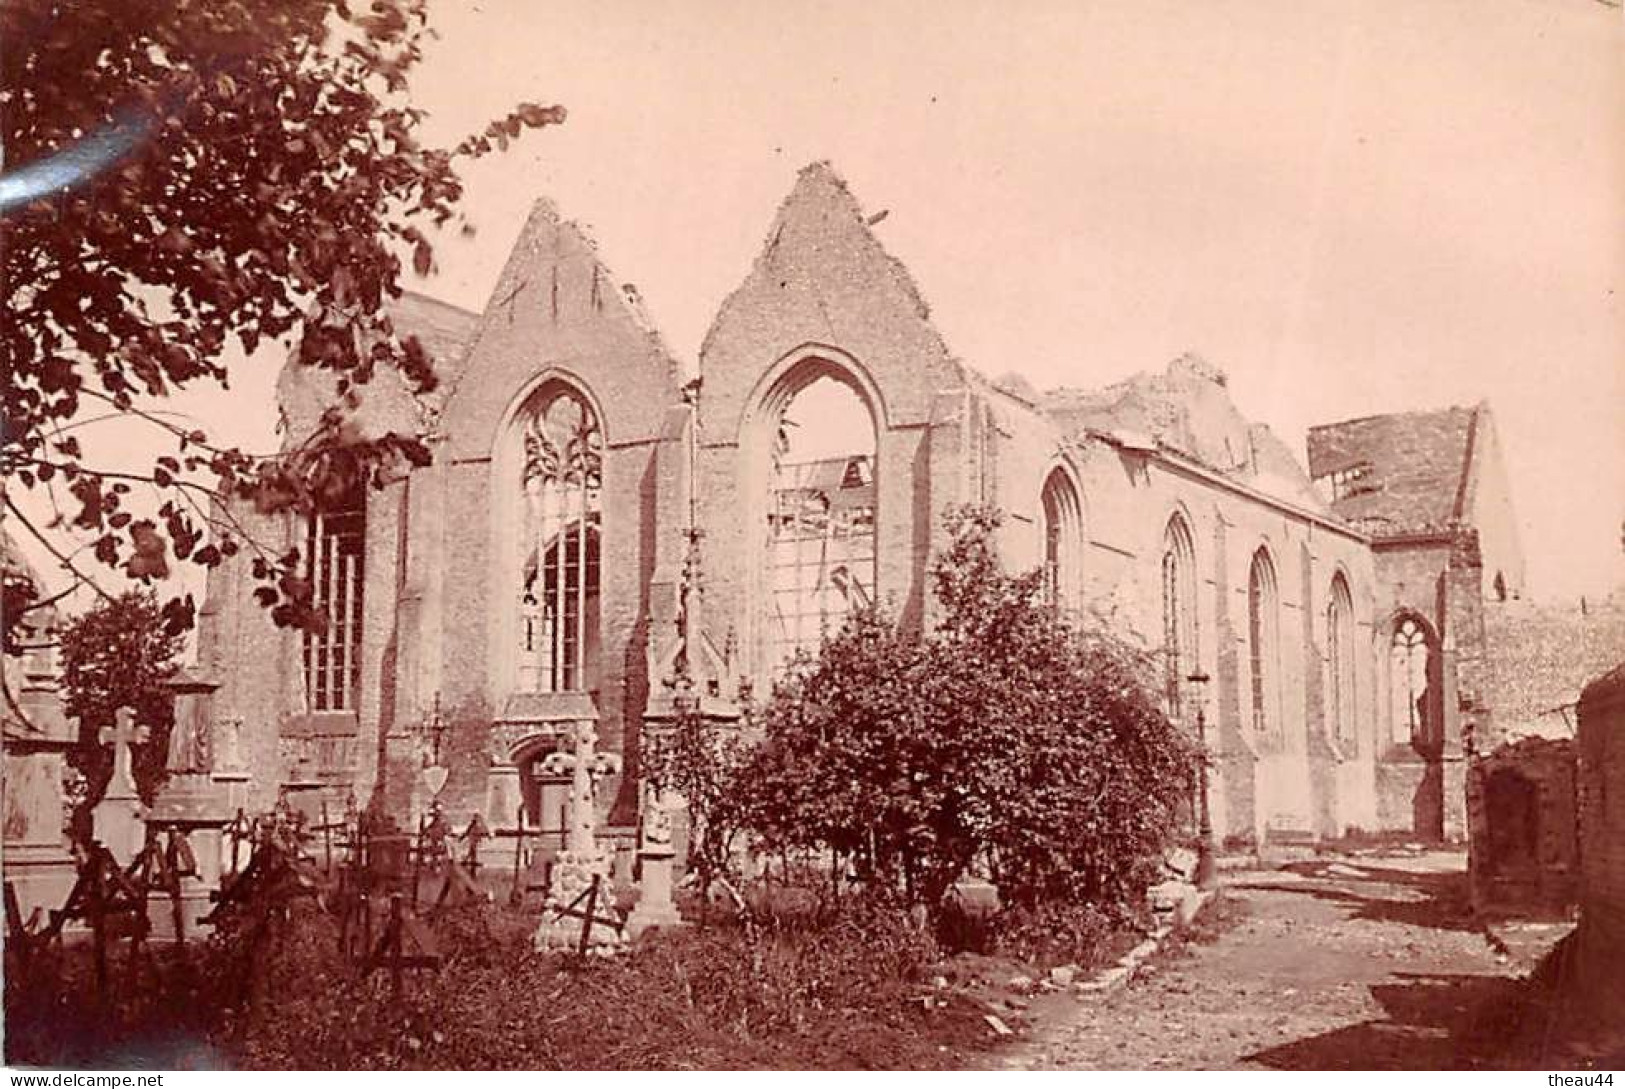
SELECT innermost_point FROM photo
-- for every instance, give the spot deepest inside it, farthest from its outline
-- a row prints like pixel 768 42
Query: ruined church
pixel 604 533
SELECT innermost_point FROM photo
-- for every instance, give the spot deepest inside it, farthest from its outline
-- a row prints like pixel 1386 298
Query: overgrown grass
pixel 809 981
pixel 833 989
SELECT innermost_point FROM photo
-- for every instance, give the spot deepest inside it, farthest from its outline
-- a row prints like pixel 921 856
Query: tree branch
pixel 154 418
pixel 66 563
pixel 46 602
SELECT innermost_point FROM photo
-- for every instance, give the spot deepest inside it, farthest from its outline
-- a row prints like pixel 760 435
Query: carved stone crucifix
pixel 121 735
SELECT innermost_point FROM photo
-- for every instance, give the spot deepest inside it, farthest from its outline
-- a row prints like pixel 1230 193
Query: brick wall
pixel 1540 656
pixel 1521 806
pixel 824 299
pixel 1535 658
pixel 1601 740
pixel 557 314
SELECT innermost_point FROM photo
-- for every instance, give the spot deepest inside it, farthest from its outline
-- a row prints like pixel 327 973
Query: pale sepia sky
pixel 1352 206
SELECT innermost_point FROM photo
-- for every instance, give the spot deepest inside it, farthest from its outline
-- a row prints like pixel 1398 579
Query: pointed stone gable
pixel 823 278
pixel 558 308
pixel 1486 505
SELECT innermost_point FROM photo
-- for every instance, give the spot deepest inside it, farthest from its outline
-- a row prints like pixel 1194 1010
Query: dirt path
pixel 1362 963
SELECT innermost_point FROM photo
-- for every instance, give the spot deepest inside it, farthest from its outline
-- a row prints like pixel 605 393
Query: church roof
pixel 444 330
pixel 1403 473
pixel 843 482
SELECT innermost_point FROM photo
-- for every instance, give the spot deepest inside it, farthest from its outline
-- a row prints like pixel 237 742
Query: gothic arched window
pixel 1264 644
pixel 1409 694
pixel 1063 541
pixel 1181 652
pixel 562 481
pixel 1340 678
pixel 820 556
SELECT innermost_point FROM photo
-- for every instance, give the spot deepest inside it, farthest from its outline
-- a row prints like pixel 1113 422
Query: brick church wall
pixel 557 314
pixel 824 299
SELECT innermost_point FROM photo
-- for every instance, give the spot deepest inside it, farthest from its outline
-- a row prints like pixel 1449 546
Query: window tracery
pixel 1409 691
pixel 562 482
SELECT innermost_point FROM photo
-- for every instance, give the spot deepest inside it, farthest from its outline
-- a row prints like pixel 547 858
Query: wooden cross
pixel 121 735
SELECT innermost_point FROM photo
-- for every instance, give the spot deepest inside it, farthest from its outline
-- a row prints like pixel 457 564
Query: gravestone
pixel 656 854
pixel 117 820
pixel 37 738
pixel 194 805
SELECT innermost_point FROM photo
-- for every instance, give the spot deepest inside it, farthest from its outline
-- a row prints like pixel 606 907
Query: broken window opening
pixel 820 562
pixel 1179 622
pixel 560 574
pixel 1340 687
pixel 1409 690
pixel 1263 631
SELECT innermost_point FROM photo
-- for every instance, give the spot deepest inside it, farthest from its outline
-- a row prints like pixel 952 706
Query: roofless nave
pixel 530 581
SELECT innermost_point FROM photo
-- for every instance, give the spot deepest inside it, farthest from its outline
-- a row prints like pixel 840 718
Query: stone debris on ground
pixel 1330 966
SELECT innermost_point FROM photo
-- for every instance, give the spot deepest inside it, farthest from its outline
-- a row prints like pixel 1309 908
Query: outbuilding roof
pixel 1401 473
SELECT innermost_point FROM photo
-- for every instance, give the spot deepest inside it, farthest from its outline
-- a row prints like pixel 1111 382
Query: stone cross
pixel 121 735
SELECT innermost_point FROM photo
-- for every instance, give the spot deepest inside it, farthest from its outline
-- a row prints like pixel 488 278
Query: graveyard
pixel 187 929
pixel 593 536
pixel 189 932
pixel 348 943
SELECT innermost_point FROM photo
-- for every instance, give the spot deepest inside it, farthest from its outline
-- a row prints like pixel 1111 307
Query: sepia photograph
pixel 985 536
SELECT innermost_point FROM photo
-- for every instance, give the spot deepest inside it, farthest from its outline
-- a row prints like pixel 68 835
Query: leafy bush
pixel 1003 736
pixel 702 763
